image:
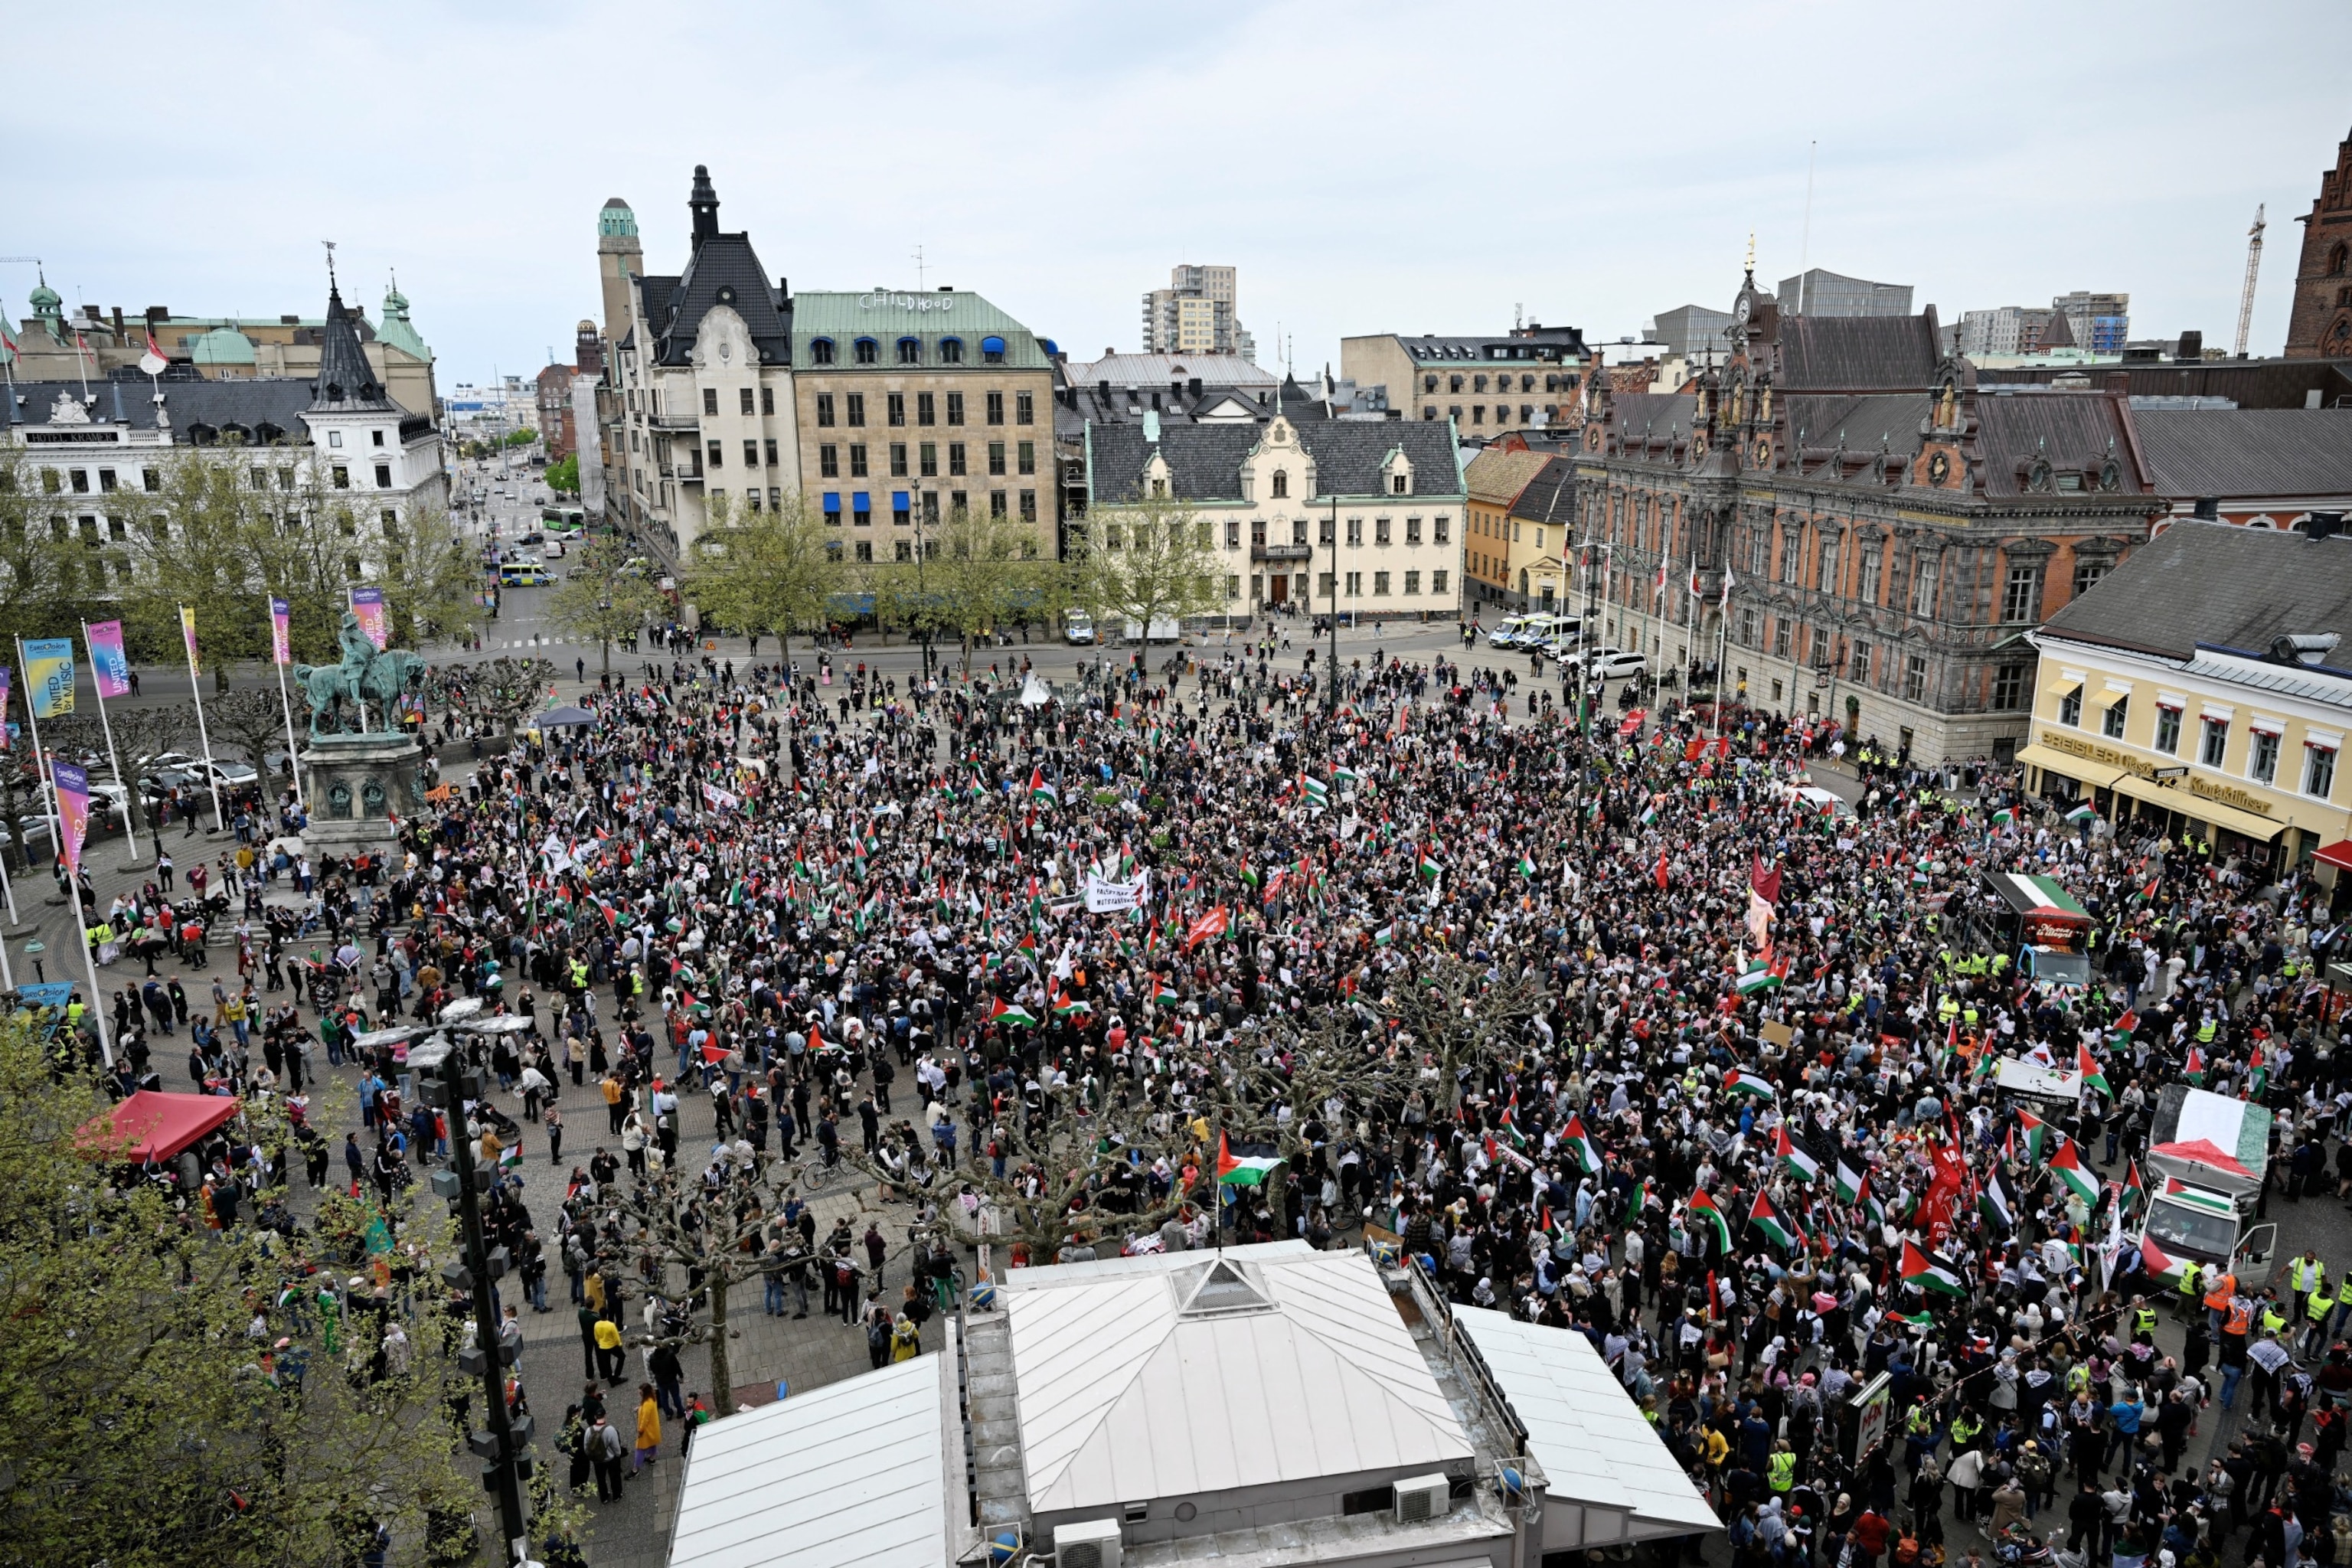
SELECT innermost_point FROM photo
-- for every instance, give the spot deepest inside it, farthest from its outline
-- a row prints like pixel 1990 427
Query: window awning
pixel 861 502
pixel 832 500
pixel 2245 824
pixel 2093 775
pixel 2064 688
pixel 898 500
pixel 2337 854
pixel 2108 696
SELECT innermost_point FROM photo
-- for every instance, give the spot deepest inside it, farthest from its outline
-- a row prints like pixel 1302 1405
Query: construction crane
pixel 2253 266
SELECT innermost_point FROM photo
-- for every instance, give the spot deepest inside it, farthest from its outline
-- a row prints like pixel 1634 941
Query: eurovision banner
pixel 188 634
pixel 281 633
pixel 73 811
pixel 107 663
pixel 6 731
pixel 49 675
pixel 367 604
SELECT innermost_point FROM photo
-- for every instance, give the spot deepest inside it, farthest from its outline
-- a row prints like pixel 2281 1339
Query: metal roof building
pixel 1259 1406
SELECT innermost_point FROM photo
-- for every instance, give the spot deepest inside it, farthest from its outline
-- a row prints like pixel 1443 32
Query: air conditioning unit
pixel 1419 1499
pixel 1091 1544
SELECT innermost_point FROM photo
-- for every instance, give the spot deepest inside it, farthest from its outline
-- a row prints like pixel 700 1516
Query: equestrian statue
pixel 364 676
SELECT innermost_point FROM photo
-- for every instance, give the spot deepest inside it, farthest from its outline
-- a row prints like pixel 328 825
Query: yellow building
pixel 2205 685
pixel 1521 506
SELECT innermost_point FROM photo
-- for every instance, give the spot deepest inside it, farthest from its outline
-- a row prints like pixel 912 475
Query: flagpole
pixel 96 1012
pixel 203 739
pixel 41 765
pixel 113 761
pixel 293 761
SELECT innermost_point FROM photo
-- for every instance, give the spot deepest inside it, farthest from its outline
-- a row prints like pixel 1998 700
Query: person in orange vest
pixel 2220 1287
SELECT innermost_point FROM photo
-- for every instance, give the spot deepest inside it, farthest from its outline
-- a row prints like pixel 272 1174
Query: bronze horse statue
pixel 364 675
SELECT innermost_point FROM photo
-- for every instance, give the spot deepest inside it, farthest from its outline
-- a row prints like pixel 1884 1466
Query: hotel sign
pixel 2108 756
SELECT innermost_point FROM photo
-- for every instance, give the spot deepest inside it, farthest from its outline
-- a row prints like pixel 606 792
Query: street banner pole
pixel 111 668
pixel 281 653
pixel 71 783
pixel 212 770
pixel 34 684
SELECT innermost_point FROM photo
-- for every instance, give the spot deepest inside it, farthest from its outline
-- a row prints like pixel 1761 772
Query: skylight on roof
pixel 1219 1288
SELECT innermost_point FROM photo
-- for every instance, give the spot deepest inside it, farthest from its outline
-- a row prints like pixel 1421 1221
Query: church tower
pixel 2320 326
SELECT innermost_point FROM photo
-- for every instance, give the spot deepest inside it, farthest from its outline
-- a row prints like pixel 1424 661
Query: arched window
pixel 991 351
pixel 1281 483
pixel 868 352
pixel 820 351
pixel 950 351
pixel 910 351
pixel 2339 260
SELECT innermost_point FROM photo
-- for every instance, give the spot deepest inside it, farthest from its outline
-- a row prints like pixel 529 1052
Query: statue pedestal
pixel 354 785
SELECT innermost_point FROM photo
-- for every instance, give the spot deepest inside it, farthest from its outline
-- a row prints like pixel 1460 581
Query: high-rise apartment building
pixel 2006 330
pixel 1195 314
pixel 1815 292
pixel 2099 322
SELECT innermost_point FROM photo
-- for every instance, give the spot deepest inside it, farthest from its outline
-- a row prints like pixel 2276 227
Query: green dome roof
pixel 45 300
pixel 398 330
pixel 222 345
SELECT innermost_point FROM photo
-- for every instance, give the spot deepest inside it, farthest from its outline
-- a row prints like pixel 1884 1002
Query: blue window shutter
pixel 861 502
pixel 898 500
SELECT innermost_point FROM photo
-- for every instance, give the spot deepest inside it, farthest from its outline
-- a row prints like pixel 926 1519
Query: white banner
pixel 1105 897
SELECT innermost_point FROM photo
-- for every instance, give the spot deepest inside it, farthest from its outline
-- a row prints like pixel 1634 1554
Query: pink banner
pixel 108 662
pixel 73 809
pixel 367 604
pixel 5 733
pixel 281 633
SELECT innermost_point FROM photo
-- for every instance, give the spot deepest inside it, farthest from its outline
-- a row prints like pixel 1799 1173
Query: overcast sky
pixel 1368 167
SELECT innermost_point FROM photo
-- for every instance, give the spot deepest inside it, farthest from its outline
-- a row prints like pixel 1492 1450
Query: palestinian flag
pixel 2124 1028
pixel 2159 1263
pixel 1040 790
pixel 1782 1234
pixel 1429 869
pixel 1704 1212
pixel 1384 936
pixel 2037 1132
pixel 1249 875
pixel 2192 1068
pixel 2089 1067
pixel 1527 868
pixel 2067 1166
pixel 1578 1143
pixel 1994 1202
pixel 1739 1080
pixel 1925 1271
pixel 510 1157
pixel 1644 1200
pixel 2082 814
pixel 1793 1158
pixel 1867 1202
pixel 1249 1168
pixel 1072 1008
pixel 1650 814
pixel 1011 1016
pixel 2133 1194
pixel 1164 994
pixel 2004 817
pixel 1761 977
pixel 1847 1182
pixel 1921 1318
pixel 1317 791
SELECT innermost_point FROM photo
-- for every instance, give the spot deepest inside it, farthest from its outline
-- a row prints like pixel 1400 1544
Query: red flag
pixel 1207 926
pixel 1693 749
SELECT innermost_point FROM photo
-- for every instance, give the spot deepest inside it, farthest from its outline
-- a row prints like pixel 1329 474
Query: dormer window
pixel 820 351
pixel 866 350
pixel 910 351
pixel 1397 484
pixel 1281 483
pixel 991 351
pixel 950 351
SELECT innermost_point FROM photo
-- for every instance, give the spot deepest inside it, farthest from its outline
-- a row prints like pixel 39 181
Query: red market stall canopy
pixel 153 1125
pixel 2338 853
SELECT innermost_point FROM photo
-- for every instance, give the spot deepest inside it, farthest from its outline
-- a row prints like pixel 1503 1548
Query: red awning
pixel 2204 1151
pixel 2337 854
pixel 153 1125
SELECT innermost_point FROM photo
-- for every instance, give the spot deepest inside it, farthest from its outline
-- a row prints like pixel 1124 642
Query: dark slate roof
pixel 1204 460
pixel 1819 421
pixel 2074 431
pixel 2250 452
pixel 1858 353
pixel 723 262
pixel 194 407
pixel 1550 496
pixel 1655 414
pixel 2249 383
pixel 347 382
pixel 2218 584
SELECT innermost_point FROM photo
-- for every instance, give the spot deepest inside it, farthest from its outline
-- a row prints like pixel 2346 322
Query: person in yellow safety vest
pixel 2000 963
pixel 2307 1273
pixel 1969 1018
pixel 2273 1318
pixel 2343 1307
pixel 2143 1319
pixel 1781 1470
pixel 2205 1031
pixel 2317 1306
pixel 1949 1008
pixel 2185 1303
pixel 1964 1428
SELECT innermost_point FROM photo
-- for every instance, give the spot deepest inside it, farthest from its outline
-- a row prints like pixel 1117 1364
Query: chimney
pixel 118 322
pixel 1102 390
pixel 158 314
pixel 2192 346
pixel 1195 384
pixel 2324 525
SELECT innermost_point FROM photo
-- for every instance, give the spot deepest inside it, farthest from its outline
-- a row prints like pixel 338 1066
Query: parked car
pixel 1077 627
pixel 1615 663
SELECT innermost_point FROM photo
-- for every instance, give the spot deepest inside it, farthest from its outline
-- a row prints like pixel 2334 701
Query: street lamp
pixel 923 595
pixel 1332 704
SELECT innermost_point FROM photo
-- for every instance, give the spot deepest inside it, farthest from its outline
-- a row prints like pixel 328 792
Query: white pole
pixel 73 883
pixel 293 758
pixel 89 967
pixel 40 762
pixel 8 886
pixel 212 773
pixel 129 806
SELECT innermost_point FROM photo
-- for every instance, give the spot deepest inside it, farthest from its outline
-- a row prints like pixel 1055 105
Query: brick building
pixel 1889 529
pixel 2320 324
pixel 556 423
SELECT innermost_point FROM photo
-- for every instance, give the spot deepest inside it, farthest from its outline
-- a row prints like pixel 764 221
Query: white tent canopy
pixel 1611 1478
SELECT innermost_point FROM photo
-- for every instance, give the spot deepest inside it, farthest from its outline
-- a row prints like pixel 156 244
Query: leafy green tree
pixel 431 582
pixel 198 549
pixel 563 477
pixel 44 566
pixel 600 601
pixel 765 571
pixel 494 690
pixel 1145 561
pixel 152 1420
pixel 982 577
